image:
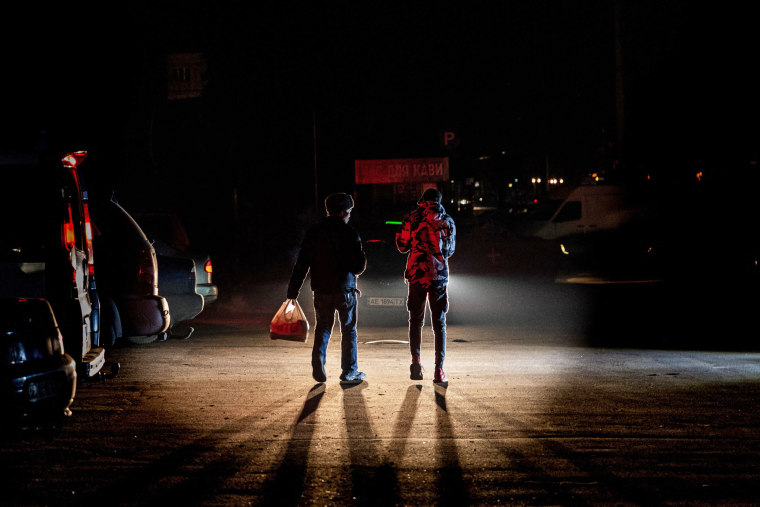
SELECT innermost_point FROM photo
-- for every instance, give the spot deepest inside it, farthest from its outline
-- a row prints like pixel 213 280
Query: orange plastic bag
pixel 289 323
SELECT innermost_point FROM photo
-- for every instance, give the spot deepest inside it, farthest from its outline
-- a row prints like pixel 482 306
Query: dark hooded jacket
pixel 331 252
pixel 428 235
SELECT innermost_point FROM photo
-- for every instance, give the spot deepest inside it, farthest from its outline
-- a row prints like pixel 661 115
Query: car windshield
pixel 546 209
pixel 165 227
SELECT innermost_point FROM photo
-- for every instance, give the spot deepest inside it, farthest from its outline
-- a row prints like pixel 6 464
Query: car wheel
pixel 110 322
pixel 181 331
pixel 142 340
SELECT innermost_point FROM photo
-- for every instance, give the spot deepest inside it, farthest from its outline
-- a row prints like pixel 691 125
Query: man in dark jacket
pixel 428 235
pixel 332 253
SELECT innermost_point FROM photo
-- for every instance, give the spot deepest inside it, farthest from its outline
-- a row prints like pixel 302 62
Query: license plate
pixel 42 389
pixel 386 301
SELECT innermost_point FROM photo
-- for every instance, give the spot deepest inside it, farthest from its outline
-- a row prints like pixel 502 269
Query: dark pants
pixel 325 306
pixel 437 298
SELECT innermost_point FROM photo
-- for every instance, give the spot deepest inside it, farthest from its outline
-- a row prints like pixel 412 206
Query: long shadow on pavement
pixel 139 485
pixel 287 485
pixel 372 482
pixel 403 425
pixel 452 489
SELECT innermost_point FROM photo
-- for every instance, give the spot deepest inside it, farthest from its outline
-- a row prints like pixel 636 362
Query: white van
pixel 588 209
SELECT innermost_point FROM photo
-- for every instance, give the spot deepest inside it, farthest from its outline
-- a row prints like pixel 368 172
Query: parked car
pixel 178 271
pixel 169 238
pixel 46 251
pixel 38 377
pixel 382 286
pixel 177 283
pixel 131 306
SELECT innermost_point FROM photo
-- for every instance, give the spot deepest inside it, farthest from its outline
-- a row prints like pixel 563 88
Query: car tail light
pixel 147 275
pixel 208 268
pixel 88 239
pixel 72 160
pixel 67 231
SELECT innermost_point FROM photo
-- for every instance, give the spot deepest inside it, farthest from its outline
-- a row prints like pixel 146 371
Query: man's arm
pixel 404 236
pixel 451 240
pixel 357 256
pixel 301 268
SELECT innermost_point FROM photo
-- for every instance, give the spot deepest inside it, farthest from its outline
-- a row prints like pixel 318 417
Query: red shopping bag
pixel 289 323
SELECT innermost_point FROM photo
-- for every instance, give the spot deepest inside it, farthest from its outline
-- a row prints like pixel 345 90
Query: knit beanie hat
pixel 335 203
pixel 431 194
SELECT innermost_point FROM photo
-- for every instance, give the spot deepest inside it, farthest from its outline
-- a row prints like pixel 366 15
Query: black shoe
pixel 415 371
pixel 319 376
pixel 353 378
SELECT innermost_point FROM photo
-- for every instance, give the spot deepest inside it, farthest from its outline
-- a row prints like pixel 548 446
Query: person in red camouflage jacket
pixel 428 235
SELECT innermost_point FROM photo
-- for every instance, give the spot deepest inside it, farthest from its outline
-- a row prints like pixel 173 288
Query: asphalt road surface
pixel 538 411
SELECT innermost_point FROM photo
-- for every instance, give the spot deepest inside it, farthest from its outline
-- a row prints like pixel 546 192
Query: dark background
pixel 519 82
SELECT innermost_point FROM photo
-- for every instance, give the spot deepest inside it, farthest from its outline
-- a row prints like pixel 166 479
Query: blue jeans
pixel 325 306
pixel 437 298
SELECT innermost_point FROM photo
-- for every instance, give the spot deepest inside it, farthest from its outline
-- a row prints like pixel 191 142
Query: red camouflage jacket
pixel 428 235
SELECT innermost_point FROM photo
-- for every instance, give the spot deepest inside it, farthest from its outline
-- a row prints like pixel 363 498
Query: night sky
pixel 528 79
pixel 384 81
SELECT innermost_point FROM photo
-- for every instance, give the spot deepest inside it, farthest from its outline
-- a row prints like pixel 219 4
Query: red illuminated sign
pixel 402 170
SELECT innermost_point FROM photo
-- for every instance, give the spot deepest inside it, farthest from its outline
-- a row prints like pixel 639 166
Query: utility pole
pixel 619 89
pixel 314 141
